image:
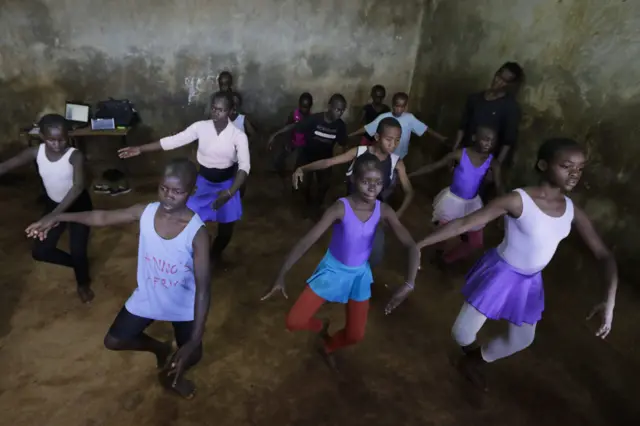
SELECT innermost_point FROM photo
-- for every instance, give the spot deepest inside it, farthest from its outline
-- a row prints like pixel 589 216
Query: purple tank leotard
pixel 298 139
pixel 352 239
pixel 467 178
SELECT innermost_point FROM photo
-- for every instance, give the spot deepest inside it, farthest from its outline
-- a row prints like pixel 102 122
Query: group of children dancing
pixel 175 257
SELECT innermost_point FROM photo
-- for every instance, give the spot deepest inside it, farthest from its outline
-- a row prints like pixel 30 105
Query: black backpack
pixel 122 111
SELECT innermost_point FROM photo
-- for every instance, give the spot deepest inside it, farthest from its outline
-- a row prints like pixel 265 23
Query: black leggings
pixel 127 327
pixel 222 240
pixel 46 251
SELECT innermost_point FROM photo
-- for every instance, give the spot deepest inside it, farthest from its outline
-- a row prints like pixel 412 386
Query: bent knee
pixel 39 253
pixel 295 324
pixel 461 335
pixel 112 343
pixel 526 341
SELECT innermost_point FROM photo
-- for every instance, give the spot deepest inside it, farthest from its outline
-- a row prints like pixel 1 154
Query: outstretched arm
pixel 436 135
pixel 345 157
pixel 360 131
pixel 90 218
pixel 407 241
pixel 183 138
pixel 443 162
pixel 406 187
pixel 369 129
pixel 333 213
pixel 22 159
pixel 507 204
pixel 413 254
pixel 591 238
pixel 287 128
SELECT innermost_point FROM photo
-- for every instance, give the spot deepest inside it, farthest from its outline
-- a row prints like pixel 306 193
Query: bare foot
pixel 162 356
pixel 85 294
pixel 185 388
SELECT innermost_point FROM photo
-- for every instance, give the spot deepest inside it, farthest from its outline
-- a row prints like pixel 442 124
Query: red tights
pixel 301 317
pixel 473 240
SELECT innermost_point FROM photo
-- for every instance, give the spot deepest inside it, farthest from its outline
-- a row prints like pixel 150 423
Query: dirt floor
pixel 55 370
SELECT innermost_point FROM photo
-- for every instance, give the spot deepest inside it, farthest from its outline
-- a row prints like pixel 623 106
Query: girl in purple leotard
pixel 461 198
pixel 343 275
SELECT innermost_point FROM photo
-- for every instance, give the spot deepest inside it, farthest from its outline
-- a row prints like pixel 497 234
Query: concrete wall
pixel 581 58
pixel 165 55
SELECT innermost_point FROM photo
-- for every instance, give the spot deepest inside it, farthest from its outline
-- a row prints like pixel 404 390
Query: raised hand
pixel 223 197
pixel 130 151
pixel 270 143
pixel 398 297
pixel 298 177
pixel 607 319
pixel 40 228
pixel 277 287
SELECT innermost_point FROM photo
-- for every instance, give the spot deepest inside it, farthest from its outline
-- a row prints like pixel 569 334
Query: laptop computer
pixel 77 114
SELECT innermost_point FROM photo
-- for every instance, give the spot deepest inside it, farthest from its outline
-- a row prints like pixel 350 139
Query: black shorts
pixel 128 326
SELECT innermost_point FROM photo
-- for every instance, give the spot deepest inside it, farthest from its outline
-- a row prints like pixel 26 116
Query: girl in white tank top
pixel 62 171
pixel 506 283
pixel 174 276
pixel 240 120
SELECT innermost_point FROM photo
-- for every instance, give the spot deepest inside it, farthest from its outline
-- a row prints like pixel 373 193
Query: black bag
pixel 122 111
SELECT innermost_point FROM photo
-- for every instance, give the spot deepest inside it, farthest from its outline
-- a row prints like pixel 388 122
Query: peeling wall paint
pixel 165 56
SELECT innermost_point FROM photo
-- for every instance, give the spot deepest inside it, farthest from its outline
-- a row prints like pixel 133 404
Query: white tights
pixel 470 321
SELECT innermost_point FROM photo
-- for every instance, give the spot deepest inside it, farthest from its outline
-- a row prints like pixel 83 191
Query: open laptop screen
pixel 77 112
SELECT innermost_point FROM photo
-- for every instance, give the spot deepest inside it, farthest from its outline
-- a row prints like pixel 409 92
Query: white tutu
pixel 448 207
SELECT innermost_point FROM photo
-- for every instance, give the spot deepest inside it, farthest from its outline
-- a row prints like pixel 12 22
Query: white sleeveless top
pixel 166 283
pixel 57 176
pixel 363 149
pixel 531 240
pixel 239 122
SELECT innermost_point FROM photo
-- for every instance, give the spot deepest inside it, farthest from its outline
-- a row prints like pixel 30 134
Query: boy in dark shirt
pixel 322 132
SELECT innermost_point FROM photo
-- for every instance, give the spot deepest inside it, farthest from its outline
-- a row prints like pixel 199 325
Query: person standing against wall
pixel 496 107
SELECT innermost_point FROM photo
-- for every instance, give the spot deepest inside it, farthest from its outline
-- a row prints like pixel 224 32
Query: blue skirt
pixel 206 193
pixel 336 282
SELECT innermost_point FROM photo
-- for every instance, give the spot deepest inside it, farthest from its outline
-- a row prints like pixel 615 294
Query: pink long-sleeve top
pixel 215 151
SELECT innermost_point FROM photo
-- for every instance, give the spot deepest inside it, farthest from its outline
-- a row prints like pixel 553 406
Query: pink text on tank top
pixel 166 281
pixel 467 178
pixel 298 138
pixel 352 238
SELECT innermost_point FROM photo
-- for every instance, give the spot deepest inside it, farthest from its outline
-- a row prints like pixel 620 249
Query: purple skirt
pixel 206 193
pixel 498 291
